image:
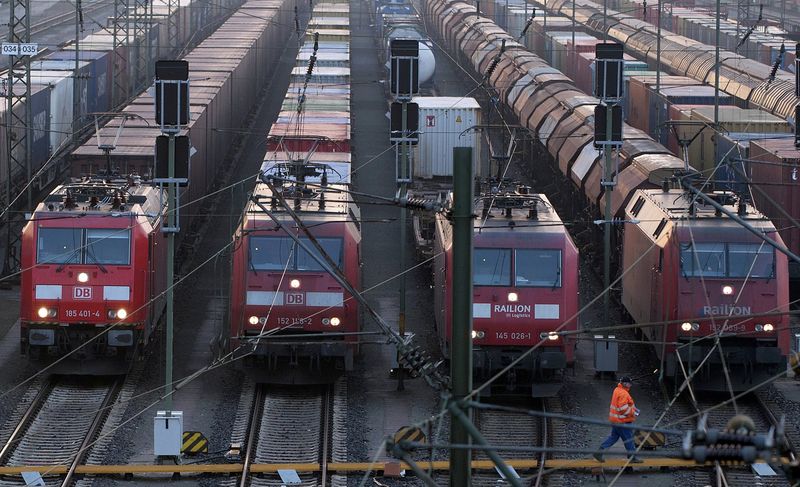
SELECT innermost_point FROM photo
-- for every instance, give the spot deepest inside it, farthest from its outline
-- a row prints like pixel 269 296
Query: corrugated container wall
pixel 443 125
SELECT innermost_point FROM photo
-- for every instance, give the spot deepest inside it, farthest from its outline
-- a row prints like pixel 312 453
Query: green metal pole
pixel 461 418
pixel 172 208
pixel 461 350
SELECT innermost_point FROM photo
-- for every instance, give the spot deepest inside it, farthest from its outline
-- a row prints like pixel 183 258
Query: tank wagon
pixel 525 288
pixel 562 118
pixel 295 322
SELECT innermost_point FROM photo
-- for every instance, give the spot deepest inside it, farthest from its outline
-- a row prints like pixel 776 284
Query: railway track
pixel 59 426
pixel 292 424
pixel 517 429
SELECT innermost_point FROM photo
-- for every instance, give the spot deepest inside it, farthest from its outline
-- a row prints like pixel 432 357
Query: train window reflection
pixel 59 246
pixel 536 267
pixel 703 259
pixel 110 246
pixel 278 253
pixel 727 260
pixel 753 260
pixel 491 267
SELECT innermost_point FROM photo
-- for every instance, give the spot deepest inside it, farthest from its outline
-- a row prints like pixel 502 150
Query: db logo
pixel 82 293
pixel 295 298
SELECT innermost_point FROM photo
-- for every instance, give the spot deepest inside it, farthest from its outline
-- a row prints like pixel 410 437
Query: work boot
pixel 599 457
pixel 635 460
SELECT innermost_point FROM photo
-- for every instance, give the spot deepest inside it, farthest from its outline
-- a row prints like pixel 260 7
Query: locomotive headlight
pixel 686 326
pixel 695 326
pixel 42 312
pixel 552 335
pixel 478 334
pixel 759 327
pixel 335 321
pixel 83 277
pixel 513 297
pixel 727 290
pixel 122 314
pixel 768 327
pixel 294 283
pixel 253 320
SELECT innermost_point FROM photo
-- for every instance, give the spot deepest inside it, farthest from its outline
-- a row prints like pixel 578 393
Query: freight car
pixel 93 257
pixel 561 117
pixel 227 71
pixel 525 282
pixel 746 79
pixel 289 316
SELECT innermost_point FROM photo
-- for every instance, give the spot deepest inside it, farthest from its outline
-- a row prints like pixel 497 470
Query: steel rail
pixel 94 428
pixel 327 432
pixel 544 440
pixel 26 419
pixel 252 434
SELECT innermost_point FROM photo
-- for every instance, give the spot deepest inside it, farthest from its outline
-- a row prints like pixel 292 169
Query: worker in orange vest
pixel 621 411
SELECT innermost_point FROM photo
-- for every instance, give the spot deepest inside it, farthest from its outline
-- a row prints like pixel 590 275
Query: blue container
pixel 99 77
pixel 40 111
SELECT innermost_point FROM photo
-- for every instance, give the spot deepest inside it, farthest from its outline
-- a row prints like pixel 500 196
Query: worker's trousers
pixel 617 432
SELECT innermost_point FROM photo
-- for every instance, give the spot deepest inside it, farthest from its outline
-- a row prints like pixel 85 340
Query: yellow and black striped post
pixel 194 442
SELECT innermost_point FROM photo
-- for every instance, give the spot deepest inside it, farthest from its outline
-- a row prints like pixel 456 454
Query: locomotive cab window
pixel 59 246
pixel 278 253
pixel 727 260
pixel 110 246
pixel 491 267
pixel 536 267
pixel 754 260
pixel 83 246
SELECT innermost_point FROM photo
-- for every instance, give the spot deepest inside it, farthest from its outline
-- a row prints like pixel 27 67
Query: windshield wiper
pixel 69 260
pixel 90 253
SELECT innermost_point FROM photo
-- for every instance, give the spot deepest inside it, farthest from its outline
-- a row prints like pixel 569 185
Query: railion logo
pixel 295 298
pixel 82 292
pixel 726 310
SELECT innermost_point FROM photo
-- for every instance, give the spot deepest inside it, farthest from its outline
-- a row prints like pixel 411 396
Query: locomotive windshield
pixel 279 253
pixel 727 260
pixel 83 246
pixel 491 267
pixel 536 267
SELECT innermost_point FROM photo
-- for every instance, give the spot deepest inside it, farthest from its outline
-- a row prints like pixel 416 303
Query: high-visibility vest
pixel 622 409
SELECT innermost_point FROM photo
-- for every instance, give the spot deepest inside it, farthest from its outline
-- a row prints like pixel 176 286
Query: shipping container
pixel 445 123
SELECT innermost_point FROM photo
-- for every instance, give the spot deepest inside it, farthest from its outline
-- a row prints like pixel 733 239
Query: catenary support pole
pixel 608 186
pixel 172 208
pixel 461 352
pixel 404 154
pixel 716 88
pixel 658 73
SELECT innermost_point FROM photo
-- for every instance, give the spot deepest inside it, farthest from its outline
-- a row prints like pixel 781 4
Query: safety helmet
pixel 625 379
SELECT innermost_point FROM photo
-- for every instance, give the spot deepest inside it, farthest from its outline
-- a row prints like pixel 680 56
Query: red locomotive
pixel 525 287
pixel 284 307
pixel 699 273
pixel 92 259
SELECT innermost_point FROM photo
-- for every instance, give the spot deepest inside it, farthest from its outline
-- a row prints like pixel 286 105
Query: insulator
pixel 492 67
pixel 316 42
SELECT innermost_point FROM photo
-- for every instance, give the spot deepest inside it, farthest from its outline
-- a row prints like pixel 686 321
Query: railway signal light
pixel 404 67
pixel 411 113
pixel 609 64
pixel 172 93
pixel 182 155
pixel 601 132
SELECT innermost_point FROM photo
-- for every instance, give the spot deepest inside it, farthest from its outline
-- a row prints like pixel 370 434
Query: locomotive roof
pixel 92 197
pixel 545 215
pixel 337 203
pixel 657 211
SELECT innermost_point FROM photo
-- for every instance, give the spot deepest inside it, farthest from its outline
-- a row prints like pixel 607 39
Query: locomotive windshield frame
pixel 91 246
pixel 727 260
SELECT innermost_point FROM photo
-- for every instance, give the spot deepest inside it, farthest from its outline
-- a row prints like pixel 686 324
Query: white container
pixel 445 123
pixel 60 104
